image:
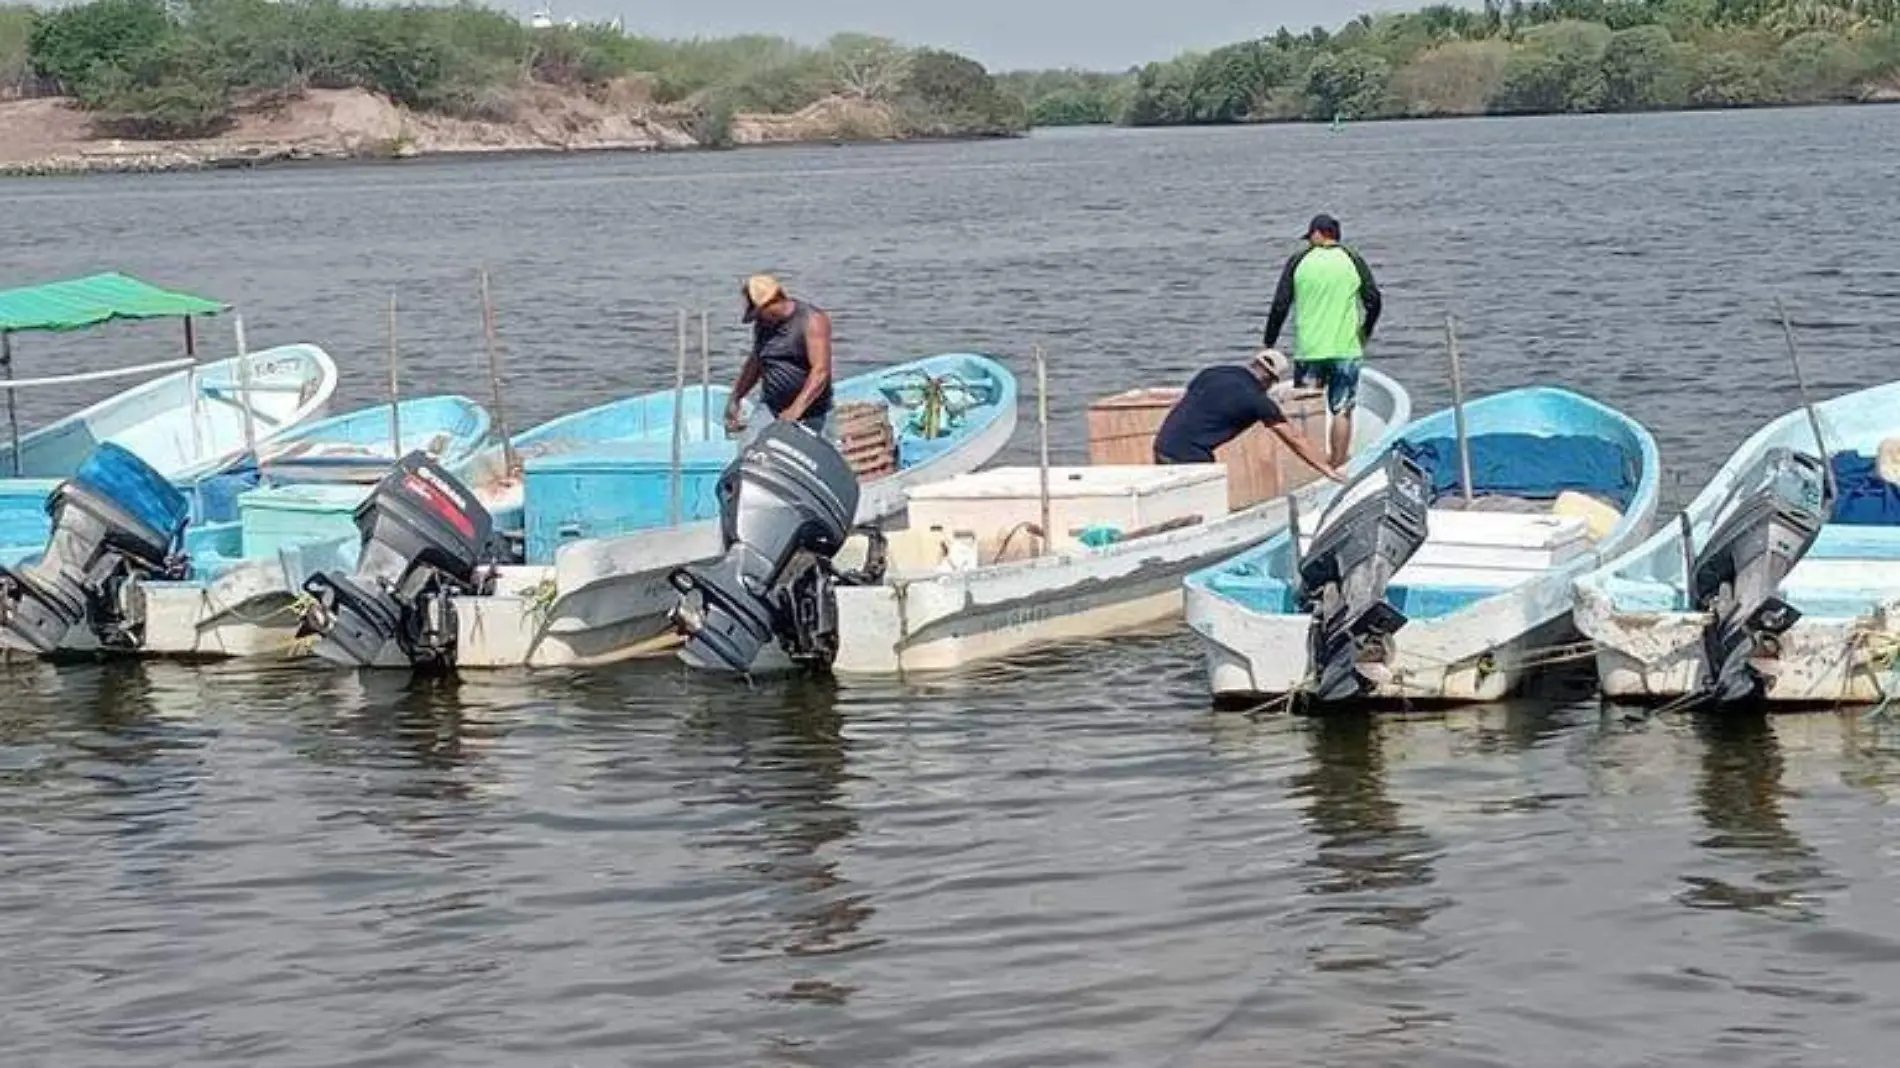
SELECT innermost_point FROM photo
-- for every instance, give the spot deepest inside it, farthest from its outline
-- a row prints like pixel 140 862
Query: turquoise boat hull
pixel 1487 597
pixel 185 425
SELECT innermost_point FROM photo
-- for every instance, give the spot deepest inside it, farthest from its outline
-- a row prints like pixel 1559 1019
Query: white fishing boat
pixel 971 579
pixel 1441 573
pixel 1779 583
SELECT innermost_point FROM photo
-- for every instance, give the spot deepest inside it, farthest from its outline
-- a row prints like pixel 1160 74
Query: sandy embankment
pixel 52 136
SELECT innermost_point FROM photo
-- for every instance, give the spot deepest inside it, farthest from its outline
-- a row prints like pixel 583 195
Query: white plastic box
pixel 989 504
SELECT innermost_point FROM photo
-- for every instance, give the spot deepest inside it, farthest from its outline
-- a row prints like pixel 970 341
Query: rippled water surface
pixel 1063 859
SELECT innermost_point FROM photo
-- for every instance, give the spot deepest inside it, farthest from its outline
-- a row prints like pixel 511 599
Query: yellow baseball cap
pixel 759 290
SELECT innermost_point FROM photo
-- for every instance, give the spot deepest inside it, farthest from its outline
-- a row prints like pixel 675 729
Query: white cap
pixel 1274 363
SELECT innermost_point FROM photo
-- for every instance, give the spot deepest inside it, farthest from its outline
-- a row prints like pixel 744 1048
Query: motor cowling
pixel 425 540
pixel 1764 528
pixel 786 504
pixel 116 522
pixel 1368 533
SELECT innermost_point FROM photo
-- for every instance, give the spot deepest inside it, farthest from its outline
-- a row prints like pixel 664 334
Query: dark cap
pixel 1323 224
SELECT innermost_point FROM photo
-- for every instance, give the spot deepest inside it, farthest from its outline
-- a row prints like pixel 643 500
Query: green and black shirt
pixel 1329 285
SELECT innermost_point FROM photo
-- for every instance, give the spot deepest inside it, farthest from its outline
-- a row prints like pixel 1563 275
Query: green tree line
pixel 180 68
pixel 1507 57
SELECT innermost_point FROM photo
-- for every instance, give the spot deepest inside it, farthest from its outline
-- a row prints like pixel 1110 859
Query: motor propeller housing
pixel 786 506
pixel 116 523
pixel 425 540
pixel 1372 528
pixel 1763 529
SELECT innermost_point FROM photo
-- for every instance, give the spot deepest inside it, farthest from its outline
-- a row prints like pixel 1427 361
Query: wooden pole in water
pixel 705 374
pixel 679 422
pixel 13 413
pixel 191 387
pixel 1801 383
pixel 1688 559
pixel 1458 408
pixel 509 459
pixel 245 395
pixel 1042 433
pixel 395 387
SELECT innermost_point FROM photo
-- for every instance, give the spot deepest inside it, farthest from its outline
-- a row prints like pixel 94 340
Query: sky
pixel 1002 34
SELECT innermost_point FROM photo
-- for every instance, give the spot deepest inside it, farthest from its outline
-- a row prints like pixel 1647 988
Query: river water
pixel 1067 858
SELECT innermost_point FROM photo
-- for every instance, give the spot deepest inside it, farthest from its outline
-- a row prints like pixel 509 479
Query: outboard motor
pixel 1371 529
pixel 785 509
pixel 115 523
pixel 1767 524
pixel 425 539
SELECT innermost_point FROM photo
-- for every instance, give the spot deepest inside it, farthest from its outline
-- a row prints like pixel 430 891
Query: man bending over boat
pixel 1327 286
pixel 1222 403
pixel 791 355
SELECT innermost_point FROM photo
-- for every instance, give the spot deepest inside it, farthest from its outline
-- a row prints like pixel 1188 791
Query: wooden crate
pixel 865 439
pixel 1122 430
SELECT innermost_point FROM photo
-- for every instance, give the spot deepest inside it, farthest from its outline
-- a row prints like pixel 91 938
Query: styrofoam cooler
pixel 991 503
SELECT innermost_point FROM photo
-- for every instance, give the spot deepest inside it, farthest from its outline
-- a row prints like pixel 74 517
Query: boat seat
pixel 1842 541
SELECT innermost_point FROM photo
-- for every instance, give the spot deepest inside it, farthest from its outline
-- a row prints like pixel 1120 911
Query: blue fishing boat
pixel 1437 574
pixel 1778 584
pixel 195 419
pixel 601 521
pixel 226 572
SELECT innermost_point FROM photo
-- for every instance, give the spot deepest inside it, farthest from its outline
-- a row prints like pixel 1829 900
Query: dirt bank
pixel 53 136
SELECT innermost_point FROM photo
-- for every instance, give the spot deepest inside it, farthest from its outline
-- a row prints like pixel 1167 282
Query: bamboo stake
pixel 705 374
pixel 13 414
pixel 679 422
pixel 244 392
pixel 509 459
pixel 1688 560
pixel 191 387
pixel 1458 408
pixel 395 387
pixel 1042 431
pixel 1814 417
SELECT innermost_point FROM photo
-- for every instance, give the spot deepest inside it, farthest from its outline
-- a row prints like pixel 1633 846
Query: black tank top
pixel 785 361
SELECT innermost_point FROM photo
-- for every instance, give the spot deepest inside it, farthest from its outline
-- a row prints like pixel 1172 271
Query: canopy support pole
pixel 395 388
pixel 679 423
pixel 13 415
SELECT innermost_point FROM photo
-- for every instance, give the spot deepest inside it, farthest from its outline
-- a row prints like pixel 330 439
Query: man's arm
pixel 1369 296
pixel 1297 442
pixel 1274 419
pixel 818 347
pixel 1282 301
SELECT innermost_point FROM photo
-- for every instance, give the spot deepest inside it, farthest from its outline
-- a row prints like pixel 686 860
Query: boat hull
pixel 949 621
pixel 1506 608
pixel 1844 649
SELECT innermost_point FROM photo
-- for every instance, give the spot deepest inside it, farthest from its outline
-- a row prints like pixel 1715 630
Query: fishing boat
pixel 195 419
pixel 1778 584
pixel 973 578
pixel 230 573
pixel 599 525
pixel 1442 572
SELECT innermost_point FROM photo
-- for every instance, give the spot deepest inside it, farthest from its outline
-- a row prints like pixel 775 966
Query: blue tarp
pixel 1533 466
pixel 1862 497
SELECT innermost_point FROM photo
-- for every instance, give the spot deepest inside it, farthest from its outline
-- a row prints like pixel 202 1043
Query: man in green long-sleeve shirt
pixel 1336 302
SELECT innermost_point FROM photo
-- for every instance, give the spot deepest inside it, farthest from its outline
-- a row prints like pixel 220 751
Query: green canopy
pixel 81 302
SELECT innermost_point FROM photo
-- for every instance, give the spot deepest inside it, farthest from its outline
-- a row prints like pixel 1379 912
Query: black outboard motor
pixel 115 523
pixel 1371 529
pixel 1767 524
pixel 785 509
pixel 425 539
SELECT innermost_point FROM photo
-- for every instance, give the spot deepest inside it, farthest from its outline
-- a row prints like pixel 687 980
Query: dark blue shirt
pixel 1220 404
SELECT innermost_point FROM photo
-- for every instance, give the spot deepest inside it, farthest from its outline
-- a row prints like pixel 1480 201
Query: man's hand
pixel 735 423
pixel 1334 473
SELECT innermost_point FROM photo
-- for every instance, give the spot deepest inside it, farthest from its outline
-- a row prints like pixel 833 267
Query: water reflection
pixel 1739 795
pixel 784 762
pixel 1364 844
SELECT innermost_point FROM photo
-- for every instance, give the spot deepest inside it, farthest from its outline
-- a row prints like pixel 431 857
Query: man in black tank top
pixel 791 357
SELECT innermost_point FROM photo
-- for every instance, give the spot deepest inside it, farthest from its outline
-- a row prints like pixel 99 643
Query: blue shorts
pixel 1340 378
